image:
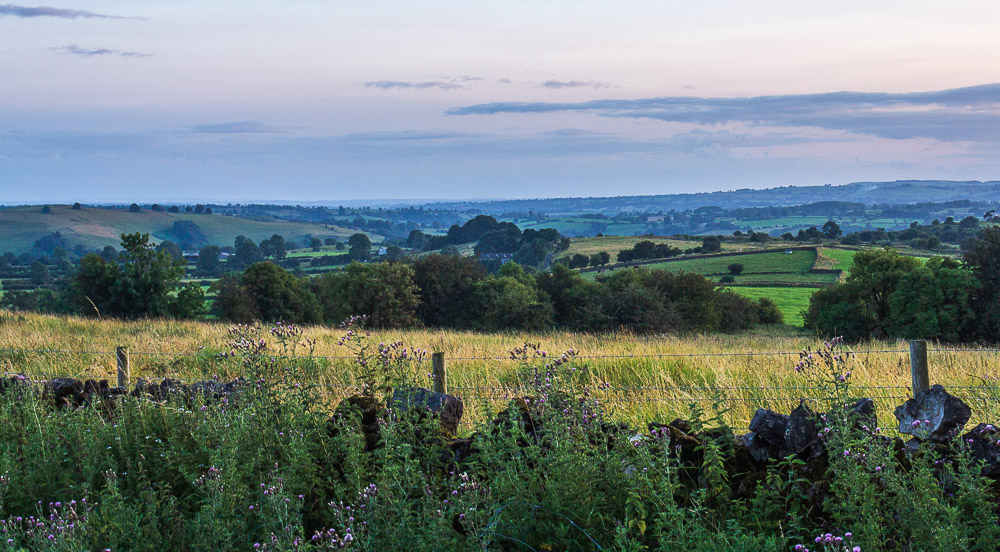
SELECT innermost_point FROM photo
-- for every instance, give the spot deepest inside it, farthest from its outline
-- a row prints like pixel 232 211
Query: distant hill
pixel 869 193
pixel 96 227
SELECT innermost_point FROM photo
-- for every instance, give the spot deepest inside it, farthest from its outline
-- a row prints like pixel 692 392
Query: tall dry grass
pixel 652 378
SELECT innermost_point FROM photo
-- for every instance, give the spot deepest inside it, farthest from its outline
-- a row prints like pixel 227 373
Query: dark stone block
pixel 944 414
pixel 447 408
pixel 801 432
pixel 770 426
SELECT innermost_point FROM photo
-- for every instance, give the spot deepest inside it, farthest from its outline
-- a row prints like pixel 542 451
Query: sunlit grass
pixel 645 372
pixel 791 301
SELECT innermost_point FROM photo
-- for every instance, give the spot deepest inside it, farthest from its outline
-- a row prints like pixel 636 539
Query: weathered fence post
pixel 918 366
pixel 439 372
pixel 124 370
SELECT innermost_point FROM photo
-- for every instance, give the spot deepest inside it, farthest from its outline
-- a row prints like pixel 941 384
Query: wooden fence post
pixel 124 370
pixel 440 374
pixel 918 366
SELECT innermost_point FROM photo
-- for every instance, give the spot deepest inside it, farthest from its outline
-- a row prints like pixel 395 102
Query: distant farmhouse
pixel 192 256
pixel 504 258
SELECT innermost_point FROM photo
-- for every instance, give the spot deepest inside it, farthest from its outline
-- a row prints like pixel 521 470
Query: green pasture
pixel 783 277
pixel 797 261
pixel 842 258
pixel 309 253
pixel 614 244
pixel 791 301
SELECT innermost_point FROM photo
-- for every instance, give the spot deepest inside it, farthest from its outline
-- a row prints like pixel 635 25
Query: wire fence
pixel 984 393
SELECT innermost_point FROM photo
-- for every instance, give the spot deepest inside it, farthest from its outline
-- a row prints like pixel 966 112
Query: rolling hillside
pixel 897 192
pixel 97 227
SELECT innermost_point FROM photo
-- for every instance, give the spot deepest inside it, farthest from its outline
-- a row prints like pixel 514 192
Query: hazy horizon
pixel 107 101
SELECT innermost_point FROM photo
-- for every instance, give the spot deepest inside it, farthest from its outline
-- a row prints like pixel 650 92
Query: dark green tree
pixel 394 253
pixel 579 261
pixel 983 257
pixel 511 301
pixel 189 302
pixel 274 247
pixel 837 311
pixel 233 301
pixel 384 292
pixel 934 301
pixel 109 253
pixel 279 296
pixel 874 275
pixel 171 249
pixel 711 244
pixel 247 253
pixel 145 279
pixel 445 285
pixel 600 259
pixel 90 290
pixel 507 238
pixel 208 263
pixel 416 239
pixel 569 293
pixel 360 246
pixel 39 274
pixel 969 222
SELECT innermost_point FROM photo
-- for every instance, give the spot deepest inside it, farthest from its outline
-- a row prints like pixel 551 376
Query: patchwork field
pixel 782 269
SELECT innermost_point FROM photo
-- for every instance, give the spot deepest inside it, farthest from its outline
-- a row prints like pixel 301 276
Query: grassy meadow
pixel 835 259
pixel 645 386
pixel 791 301
pixel 796 262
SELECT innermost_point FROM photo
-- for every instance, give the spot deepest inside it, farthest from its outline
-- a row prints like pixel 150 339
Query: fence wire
pixel 987 393
pixel 201 352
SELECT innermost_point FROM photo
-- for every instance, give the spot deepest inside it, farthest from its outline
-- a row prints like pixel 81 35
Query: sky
pixel 313 100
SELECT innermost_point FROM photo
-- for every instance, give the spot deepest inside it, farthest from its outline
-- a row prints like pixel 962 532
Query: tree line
pixel 889 295
pixel 447 291
pixel 437 290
